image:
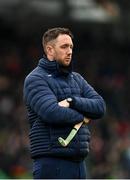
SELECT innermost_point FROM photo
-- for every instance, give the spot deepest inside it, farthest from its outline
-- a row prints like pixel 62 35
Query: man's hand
pixel 86 120
pixel 63 103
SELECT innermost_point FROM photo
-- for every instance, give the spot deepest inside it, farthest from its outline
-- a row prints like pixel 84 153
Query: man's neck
pixel 50 58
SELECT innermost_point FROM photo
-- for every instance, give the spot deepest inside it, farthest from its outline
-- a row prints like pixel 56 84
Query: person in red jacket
pixel 58 98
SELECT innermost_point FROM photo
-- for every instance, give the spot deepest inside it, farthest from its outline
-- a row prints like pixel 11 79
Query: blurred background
pixel 101 54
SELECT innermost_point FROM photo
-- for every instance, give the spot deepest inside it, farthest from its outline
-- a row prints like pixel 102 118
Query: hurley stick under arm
pixel 65 142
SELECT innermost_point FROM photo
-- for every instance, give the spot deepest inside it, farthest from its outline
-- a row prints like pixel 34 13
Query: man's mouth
pixel 68 58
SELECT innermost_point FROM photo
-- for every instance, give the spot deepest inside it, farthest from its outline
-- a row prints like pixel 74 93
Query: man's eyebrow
pixel 67 44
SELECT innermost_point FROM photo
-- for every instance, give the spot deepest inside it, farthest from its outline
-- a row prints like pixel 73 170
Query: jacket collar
pixel 54 67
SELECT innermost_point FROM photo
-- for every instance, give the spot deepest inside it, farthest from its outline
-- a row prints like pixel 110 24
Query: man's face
pixel 62 49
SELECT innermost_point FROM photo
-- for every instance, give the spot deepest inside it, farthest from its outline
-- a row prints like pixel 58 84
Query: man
pixel 58 98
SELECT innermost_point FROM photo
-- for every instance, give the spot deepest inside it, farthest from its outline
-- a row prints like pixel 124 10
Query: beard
pixel 65 63
pixel 64 68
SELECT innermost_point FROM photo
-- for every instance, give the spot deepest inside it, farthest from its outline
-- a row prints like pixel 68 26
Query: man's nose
pixel 69 50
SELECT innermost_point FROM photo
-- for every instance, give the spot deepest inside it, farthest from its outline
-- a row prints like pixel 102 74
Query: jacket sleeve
pixel 42 101
pixel 91 104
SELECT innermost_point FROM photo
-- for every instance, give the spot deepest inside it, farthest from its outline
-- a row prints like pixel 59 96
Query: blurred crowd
pixel 103 65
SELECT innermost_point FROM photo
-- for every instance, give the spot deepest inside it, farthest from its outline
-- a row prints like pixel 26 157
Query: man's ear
pixel 49 50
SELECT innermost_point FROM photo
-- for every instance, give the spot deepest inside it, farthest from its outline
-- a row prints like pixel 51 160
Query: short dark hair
pixel 53 33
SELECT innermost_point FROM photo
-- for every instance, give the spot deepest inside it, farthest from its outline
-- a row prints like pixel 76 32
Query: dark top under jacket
pixel 44 87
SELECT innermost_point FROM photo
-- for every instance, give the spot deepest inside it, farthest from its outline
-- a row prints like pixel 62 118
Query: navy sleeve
pixel 91 104
pixel 42 101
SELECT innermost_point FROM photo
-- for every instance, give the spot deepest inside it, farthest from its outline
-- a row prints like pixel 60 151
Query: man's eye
pixel 64 47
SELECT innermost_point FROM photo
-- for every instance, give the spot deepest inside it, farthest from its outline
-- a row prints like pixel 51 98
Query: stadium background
pixel 101 54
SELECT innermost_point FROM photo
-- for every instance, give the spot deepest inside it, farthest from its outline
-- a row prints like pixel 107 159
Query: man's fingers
pixel 63 103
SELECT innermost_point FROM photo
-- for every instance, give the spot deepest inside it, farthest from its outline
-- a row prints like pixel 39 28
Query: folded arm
pixel 42 100
pixel 64 103
pixel 91 104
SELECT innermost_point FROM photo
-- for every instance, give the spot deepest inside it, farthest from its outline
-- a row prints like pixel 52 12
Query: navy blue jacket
pixel 44 87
